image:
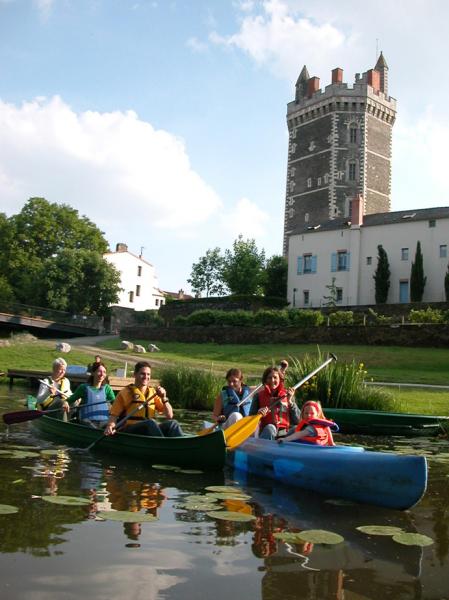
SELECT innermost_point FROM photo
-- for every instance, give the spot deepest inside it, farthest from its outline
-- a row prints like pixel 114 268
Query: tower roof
pixel 303 76
pixel 381 62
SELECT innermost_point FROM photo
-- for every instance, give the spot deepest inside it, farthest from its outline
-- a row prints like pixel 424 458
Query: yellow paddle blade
pixel 240 431
pixel 207 430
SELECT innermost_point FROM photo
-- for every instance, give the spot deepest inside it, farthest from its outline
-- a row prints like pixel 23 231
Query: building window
pixel 340 261
pixel 443 251
pixel 339 296
pixel 139 271
pixel 369 260
pixel 319 181
pixel 353 134
pixel 432 223
pixel 156 302
pixel 306 217
pixel 404 253
pixel 351 171
pixel 137 290
pixel 131 296
pixel 306 294
pixel 307 263
pixel 309 182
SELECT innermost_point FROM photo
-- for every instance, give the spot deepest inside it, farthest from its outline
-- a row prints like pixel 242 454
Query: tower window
pixel 352 171
pixel 353 134
pixel 309 182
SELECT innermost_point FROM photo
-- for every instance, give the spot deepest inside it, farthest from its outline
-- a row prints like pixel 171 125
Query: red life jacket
pixel 322 427
pixel 279 413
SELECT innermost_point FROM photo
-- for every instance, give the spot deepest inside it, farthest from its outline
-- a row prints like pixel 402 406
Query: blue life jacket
pixel 231 400
pixel 100 412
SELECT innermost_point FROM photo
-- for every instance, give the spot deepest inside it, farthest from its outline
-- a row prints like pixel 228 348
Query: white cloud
pixel 277 36
pixel 44 7
pixel 246 219
pixel 196 45
pixel 113 167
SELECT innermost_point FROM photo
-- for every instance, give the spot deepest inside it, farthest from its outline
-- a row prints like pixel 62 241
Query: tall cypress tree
pixel 382 276
pixel 446 284
pixel 417 279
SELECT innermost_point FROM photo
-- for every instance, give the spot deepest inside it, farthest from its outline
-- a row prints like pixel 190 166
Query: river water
pixel 59 552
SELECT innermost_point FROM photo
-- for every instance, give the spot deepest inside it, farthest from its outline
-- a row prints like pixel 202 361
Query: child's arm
pixel 298 435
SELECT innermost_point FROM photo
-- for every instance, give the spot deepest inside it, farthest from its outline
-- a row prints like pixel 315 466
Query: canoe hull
pixel 378 478
pixel 373 422
pixel 194 452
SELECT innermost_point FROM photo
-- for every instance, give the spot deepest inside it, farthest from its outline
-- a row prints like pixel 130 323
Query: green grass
pixel 422 401
pixel 383 363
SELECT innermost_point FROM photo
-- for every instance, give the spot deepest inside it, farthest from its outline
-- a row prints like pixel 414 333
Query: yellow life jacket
pixel 64 387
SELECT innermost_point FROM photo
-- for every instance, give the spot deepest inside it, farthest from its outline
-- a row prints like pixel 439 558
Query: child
pixel 313 428
pixel 230 405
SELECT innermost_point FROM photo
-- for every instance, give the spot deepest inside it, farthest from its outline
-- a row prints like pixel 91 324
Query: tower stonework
pixel 339 146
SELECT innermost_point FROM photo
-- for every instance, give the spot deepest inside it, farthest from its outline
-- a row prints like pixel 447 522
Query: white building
pixel 346 249
pixel 138 280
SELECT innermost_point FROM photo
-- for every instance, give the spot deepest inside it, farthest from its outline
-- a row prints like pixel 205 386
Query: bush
pixel 271 318
pixel 203 317
pixel 191 388
pixel 342 317
pixel 149 317
pixel 339 385
pixel 180 321
pixel 429 315
pixel 305 317
pixel 377 319
pixel 238 318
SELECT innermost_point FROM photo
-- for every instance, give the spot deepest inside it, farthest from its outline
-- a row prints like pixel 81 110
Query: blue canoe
pixel 350 472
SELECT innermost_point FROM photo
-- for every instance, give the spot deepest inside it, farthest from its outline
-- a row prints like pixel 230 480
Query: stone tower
pixel 339 146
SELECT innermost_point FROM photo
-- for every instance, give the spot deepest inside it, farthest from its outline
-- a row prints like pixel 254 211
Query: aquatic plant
pixel 191 388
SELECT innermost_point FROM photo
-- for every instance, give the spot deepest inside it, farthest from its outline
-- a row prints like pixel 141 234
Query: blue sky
pixel 164 121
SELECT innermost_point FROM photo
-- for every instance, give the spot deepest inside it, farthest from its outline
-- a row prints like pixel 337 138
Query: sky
pixel 164 121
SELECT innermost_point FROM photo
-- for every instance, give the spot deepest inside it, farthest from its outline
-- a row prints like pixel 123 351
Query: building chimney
pixel 337 75
pixel 374 79
pixel 313 85
pixel 121 248
pixel 357 206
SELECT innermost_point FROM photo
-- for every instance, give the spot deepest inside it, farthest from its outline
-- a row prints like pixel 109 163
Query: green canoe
pixel 373 422
pixel 191 451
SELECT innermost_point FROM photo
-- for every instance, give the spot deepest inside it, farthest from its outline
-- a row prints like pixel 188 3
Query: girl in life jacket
pixel 313 428
pixel 276 406
pixel 230 405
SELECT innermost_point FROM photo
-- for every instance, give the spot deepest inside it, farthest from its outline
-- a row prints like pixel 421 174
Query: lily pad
pixel 126 516
pixel 228 496
pixel 224 489
pixel 227 515
pixel 289 536
pixel 165 467
pixel 201 506
pixel 5 452
pixel 8 509
pixel 199 498
pixel 67 500
pixel 19 481
pixel 320 536
pixel 23 454
pixel 379 529
pixel 29 448
pixel 412 539
pixel 191 471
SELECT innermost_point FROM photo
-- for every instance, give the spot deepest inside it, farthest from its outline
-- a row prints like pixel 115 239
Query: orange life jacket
pixel 322 427
pixel 276 401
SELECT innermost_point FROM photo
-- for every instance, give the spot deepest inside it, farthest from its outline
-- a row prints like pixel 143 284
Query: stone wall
pixel 408 335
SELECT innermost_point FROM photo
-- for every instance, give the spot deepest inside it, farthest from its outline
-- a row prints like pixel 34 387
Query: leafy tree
pixel 80 281
pixel 275 277
pixel 243 267
pixel 382 276
pixel 206 275
pixel 331 299
pixel 417 279
pixel 446 284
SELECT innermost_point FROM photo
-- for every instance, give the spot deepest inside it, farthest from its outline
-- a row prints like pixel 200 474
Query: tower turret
pixel 301 84
pixel 382 67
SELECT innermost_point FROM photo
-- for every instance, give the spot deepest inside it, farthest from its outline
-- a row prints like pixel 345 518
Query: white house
pixel 138 280
pixel 346 249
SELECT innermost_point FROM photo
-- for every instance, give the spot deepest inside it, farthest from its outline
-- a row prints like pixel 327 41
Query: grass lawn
pixel 383 363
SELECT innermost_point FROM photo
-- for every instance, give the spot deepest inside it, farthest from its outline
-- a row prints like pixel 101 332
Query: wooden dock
pixel 117 383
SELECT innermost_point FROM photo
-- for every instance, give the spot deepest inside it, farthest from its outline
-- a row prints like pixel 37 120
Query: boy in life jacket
pixel 230 405
pixel 313 428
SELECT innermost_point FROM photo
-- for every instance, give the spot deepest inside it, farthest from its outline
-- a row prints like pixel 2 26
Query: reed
pixel 191 388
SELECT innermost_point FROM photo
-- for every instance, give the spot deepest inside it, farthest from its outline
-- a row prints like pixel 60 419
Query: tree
pixel 446 284
pixel 331 300
pixel 382 276
pixel 243 267
pixel 275 277
pixel 206 275
pixel 417 279
pixel 80 281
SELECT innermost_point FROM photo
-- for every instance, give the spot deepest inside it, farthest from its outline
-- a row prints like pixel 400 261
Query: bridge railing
pixel 49 314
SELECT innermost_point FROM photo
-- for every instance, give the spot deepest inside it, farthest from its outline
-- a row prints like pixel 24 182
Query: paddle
pixel 21 416
pixel 120 423
pixel 238 432
pixel 282 367
pixel 58 393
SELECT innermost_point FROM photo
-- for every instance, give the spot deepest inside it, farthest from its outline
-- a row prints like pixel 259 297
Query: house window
pixel 156 302
pixel 432 223
pixel 137 290
pixel 306 294
pixel 352 171
pixel 369 260
pixel 319 181
pixel 353 134
pixel 306 217
pixel 131 296
pixel 307 263
pixel 309 182
pixel 341 261
pixel 404 253
pixel 443 251
pixel 139 271
pixel 339 296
